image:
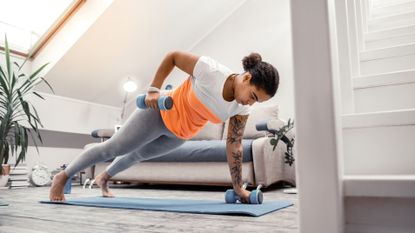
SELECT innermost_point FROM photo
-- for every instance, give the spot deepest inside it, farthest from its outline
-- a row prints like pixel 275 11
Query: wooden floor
pixel 25 215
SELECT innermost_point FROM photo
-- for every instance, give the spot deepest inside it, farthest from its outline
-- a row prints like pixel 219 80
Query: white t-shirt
pixel 209 77
pixel 199 99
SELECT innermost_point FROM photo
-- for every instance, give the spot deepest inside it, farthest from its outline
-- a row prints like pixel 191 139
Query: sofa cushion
pixel 259 113
pixel 210 132
pixel 203 151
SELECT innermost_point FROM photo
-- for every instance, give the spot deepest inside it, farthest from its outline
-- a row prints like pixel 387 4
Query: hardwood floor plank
pixel 26 215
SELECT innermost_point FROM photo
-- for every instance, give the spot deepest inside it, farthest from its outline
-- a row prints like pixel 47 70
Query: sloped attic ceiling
pixel 130 38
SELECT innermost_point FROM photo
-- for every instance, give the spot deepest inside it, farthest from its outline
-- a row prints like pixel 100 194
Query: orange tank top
pixel 188 115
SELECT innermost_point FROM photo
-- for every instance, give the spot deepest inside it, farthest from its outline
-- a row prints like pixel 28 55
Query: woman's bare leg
pixel 58 184
pixel 102 181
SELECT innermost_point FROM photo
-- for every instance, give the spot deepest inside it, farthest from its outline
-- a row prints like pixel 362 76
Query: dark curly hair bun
pixel 264 75
pixel 251 61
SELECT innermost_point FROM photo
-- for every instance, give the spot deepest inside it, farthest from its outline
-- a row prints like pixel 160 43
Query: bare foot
pixel 58 183
pixel 102 181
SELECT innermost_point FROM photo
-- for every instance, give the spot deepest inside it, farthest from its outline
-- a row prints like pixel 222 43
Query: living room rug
pixel 178 205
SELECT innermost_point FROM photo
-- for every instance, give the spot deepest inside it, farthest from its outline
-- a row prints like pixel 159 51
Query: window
pixel 28 24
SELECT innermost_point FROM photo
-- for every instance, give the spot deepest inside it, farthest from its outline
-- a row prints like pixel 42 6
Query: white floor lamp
pixel 129 86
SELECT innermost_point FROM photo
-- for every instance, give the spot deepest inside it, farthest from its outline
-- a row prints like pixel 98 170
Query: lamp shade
pixel 130 86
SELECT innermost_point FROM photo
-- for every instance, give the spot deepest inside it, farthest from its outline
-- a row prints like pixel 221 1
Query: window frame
pixel 50 33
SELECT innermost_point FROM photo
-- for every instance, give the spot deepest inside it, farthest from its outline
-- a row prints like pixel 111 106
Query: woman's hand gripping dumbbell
pixel 155 101
pixel 255 197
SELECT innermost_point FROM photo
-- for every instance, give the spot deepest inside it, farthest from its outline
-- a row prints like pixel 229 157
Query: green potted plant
pixel 19 118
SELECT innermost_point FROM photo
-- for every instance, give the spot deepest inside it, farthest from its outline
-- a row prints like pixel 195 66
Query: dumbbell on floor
pixel 256 196
pixel 164 102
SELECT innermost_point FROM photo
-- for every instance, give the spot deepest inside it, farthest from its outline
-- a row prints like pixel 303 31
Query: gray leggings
pixel 142 137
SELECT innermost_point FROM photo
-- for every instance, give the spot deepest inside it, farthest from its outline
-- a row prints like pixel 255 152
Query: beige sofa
pixel 267 166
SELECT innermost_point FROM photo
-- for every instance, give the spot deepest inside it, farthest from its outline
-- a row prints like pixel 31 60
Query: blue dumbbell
pixel 256 196
pixel 164 102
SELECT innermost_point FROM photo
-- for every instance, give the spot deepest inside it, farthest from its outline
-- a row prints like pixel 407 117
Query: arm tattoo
pixel 234 148
pixel 236 168
pixel 236 129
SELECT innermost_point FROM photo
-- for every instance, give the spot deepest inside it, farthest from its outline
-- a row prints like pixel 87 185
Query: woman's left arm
pixel 234 152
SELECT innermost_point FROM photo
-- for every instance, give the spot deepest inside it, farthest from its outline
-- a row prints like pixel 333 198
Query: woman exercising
pixel 211 93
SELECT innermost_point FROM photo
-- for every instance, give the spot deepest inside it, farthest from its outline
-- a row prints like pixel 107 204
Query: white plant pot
pixel 3 180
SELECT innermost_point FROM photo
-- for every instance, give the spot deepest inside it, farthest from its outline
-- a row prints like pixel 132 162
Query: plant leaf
pixel 35 93
pixel 4 81
pixel 37 71
pixel 17 64
pixel 47 83
pixel 7 55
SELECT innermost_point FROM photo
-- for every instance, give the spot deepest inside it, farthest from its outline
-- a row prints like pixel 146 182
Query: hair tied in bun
pixel 251 61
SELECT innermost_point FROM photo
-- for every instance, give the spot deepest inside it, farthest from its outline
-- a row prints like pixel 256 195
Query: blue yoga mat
pixel 178 205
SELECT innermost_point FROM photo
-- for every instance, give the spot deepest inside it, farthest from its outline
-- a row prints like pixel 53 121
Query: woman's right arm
pixel 183 60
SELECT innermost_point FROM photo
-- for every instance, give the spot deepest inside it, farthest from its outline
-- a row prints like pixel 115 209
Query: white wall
pixel 262 26
pixel 51 157
pixel 68 115
pixel 68 35
pixel 65 115
pixel 76 116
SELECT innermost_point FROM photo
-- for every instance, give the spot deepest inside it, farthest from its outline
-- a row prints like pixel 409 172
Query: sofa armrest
pixel 272 126
pixel 102 133
pixel 269 164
